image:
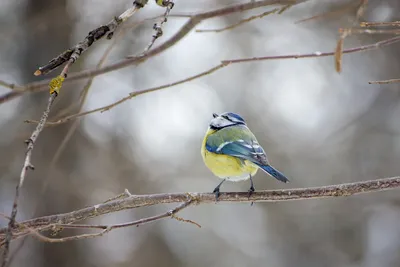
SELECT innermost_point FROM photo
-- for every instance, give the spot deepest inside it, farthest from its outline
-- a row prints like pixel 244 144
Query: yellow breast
pixel 225 166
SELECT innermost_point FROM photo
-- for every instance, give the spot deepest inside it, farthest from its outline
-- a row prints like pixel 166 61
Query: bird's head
pixel 226 119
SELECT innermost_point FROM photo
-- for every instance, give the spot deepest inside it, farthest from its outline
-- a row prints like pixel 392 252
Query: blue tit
pixel 231 151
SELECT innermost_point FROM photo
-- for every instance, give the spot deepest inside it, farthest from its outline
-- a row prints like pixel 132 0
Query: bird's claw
pixel 217 194
pixel 250 192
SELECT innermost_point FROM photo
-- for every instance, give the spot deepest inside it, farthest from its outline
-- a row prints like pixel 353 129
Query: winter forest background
pixel 318 126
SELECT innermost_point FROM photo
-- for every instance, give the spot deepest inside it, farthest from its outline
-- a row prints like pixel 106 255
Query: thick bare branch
pixel 328 14
pixel 130 96
pixel 380 24
pixel 158 26
pixel 135 201
pixel 106 228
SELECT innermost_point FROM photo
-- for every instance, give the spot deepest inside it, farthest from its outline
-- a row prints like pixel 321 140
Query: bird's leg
pixel 216 190
pixel 251 190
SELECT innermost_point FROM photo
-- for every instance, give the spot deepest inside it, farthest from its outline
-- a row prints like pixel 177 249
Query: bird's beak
pixel 215 115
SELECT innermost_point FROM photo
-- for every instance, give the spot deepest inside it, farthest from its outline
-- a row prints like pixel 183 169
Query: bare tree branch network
pixel 45 227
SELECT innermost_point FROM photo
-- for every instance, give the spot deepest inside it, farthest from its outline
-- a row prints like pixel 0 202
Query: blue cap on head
pixel 226 119
pixel 236 117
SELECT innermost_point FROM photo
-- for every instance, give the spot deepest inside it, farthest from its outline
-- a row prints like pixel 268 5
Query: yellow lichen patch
pixel 55 84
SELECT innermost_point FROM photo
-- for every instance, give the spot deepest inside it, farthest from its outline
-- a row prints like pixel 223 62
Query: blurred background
pixel 317 126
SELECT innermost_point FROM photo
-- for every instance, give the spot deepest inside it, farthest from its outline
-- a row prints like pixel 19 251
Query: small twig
pixel 109 228
pixel 243 21
pixel 380 24
pixel 125 194
pixel 10 96
pixel 319 54
pixel 349 31
pixel 72 54
pixel 31 231
pixel 132 95
pixel 372 31
pixel 385 81
pixel 339 50
pixel 218 67
pixel 158 26
pixel 328 14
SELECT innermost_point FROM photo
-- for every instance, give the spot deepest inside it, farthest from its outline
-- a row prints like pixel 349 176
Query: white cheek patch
pixel 220 122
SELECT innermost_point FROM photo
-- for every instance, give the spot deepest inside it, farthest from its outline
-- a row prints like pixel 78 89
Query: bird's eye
pixel 226 117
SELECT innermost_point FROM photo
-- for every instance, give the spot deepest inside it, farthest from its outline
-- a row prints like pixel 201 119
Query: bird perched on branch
pixel 231 151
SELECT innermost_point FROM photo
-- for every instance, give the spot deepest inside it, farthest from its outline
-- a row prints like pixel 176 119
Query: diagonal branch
pixel 193 21
pixel 218 67
pixel 241 22
pixel 319 54
pixel 385 81
pixel 106 228
pixel 27 165
pixel 135 201
pixel 72 54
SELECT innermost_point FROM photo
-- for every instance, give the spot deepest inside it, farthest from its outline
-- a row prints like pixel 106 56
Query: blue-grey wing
pixel 237 141
pixel 249 150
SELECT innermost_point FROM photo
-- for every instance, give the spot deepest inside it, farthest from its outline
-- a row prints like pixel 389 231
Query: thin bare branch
pixel 135 201
pixel 243 21
pixel 373 31
pixel 108 228
pixel 11 86
pixel 158 26
pixel 380 24
pixel 10 96
pixel 132 95
pixel 328 14
pixel 318 54
pixel 361 9
pixel 27 165
pixel 75 52
pixel 339 50
pixel 184 30
pixel 170 213
pixel 385 81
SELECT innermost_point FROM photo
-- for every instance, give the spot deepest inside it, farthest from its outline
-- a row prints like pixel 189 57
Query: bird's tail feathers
pixel 274 173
